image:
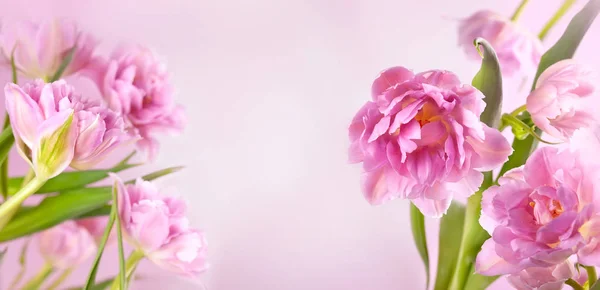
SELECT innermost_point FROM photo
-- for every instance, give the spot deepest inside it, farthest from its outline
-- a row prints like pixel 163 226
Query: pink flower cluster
pixel 157 226
pixel 132 81
pixel 420 138
pixel 54 128
pixel 542 214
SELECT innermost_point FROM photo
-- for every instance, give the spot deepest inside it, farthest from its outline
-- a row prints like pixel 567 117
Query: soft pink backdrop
pixel 270 87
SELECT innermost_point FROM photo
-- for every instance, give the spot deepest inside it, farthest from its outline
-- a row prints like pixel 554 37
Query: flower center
pixel 555 208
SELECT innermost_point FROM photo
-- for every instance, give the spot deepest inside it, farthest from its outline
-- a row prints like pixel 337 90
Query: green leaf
pixel 473 236
pixel 477 282
pixel 417 221
pixel 122 278
pixel 596 286
pixel 92 276
pixel 69 180
pixel 451 228
pixel 63 65
pixel 489 81
pixel 71 204
pixel 564 48
pixel 100 286
pixel 53 210
pixel 7 140
pixel 104 210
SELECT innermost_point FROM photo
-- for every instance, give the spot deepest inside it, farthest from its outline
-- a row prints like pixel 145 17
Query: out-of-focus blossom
pixel 66 245
pixel 157 226
pixel 135 83
pixel 40 48
pixel 555 104
pixel 517 49
pixel 53 127
pixel 541 214
pixel 94 225
pixel 420 138
pixel 547 278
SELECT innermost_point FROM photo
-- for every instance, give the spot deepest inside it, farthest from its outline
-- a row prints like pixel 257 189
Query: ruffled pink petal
pixel 492 152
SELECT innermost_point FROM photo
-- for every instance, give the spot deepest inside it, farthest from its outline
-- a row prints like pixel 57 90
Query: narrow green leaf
pixel 68 180
pixel 473 236
pixel 122 278
pixel 71 204
pixel 104 210
pixel 477 282
pixel 7 139
pixel 159 173
pixel 489 81
pixel 417 221
pixel 52 211
pixel 451 228
pixel 100 286
pixel 92 276
pixel 564 48
pixel 63 65
pixel 596 286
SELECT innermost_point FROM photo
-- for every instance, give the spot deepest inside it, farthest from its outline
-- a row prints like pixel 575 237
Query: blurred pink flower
pixel 547 278
pixel 94 225
pixel 157 226
pixel 517 49
pixel 40 48
pixel 541 214
pixel 554 104
pixel 59 128
pixel 420 138
pixel 66 245
pixel 135 83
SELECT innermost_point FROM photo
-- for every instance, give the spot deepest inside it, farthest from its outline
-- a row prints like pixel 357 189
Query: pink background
pixel 270 87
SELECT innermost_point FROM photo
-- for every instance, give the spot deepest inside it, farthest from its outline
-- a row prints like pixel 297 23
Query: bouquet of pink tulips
pixel 53 127
pixel 531 214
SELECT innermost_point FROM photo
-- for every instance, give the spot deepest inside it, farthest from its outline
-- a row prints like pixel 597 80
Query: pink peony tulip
pixel 420 138
pixel 59 128
pixel 135 83
pixel 66 245
pixel 541 214
pixel 555 103
pixel 547 278
pixel 40 48
pixel 517 49
pixel 157 226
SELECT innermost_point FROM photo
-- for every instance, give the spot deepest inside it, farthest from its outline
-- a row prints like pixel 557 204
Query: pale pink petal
pixel 25 125
pixel 492 152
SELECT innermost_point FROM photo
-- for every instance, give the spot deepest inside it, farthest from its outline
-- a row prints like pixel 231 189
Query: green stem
pixel 519 11
pixel 22 262
pixel 519 110
pixel 64 275
pixel 134 258
pixel 574 284
pixel 28 177
pixel 592 276
pixel 10 207
pixel 473 236
pixel 555 18
pixel 36 282
pixel 515 122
